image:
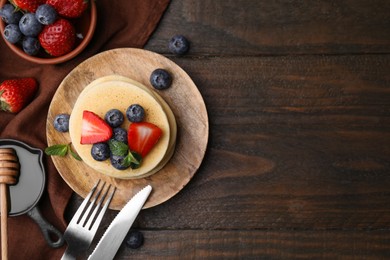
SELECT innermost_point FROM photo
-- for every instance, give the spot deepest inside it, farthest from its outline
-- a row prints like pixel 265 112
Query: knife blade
pixel 119 227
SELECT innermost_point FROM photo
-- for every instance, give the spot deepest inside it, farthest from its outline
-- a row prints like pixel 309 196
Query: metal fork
pixel 83 226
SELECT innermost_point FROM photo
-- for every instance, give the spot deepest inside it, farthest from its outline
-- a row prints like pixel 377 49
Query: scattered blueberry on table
pixel 134 239
pixel 179 45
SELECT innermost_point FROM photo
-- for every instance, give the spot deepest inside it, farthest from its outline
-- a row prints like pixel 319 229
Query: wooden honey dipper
pixel 9 173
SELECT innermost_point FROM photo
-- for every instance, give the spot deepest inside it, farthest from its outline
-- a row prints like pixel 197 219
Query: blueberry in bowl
pixel 10 15
pixel 12 33
pixel 32 23
pixel 29 25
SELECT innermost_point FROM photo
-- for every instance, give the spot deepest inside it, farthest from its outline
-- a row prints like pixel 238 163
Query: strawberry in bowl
pixel 69 9
pixel 27 5
pixel 58 39
pixel 47 31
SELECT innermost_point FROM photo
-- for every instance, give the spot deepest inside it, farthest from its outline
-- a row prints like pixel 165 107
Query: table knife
pixel 119 227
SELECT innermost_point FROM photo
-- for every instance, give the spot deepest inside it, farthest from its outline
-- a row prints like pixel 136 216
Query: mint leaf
pixel 57 149
pixel 61 150
pixel 118 148
pixel 134 159
pixel 74 155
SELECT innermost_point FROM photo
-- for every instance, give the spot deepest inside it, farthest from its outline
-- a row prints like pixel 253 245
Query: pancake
pixel 119 92
pixel 167 109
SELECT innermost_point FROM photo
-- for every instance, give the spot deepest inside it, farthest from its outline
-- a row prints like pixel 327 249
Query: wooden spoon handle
pixel 4 219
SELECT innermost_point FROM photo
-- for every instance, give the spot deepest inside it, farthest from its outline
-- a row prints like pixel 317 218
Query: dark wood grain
pixel 219 27
pixel 298 142
pixel 297 165
pixel 255 244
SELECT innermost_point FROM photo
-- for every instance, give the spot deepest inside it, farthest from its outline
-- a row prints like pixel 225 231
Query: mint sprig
pixel 118 148
pixel 61 150
pixel 134 159
pixel 131 158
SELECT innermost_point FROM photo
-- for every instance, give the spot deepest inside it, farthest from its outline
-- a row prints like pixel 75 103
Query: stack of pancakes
pixel 120 92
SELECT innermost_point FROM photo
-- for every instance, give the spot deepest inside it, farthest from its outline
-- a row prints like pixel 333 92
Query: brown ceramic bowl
pixel 85 25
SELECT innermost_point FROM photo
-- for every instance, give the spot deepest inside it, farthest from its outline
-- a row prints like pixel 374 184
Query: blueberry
pixel 29 25
pixel 100 151
pixel 46 14
pixel 12 33
pixel 134 239
pixel 179 45
pixel 9 15
pixel 61 122
pixel 120 134
pixel 160 79
pixel 31 45
pixel 114 117
pixel 135 113
pixel 118 162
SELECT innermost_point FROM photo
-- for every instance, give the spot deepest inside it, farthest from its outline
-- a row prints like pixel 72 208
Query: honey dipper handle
pixel 4 216
pixel 9 172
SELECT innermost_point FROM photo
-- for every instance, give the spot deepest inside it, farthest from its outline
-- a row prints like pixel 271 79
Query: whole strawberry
pixel 16 93
pixel 69 8
pixel 58 38
pixel 27 5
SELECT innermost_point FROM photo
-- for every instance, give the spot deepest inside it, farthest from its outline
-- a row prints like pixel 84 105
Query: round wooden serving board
pixel 184 99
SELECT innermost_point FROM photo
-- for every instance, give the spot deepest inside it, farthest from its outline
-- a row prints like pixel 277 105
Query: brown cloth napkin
pixel 121 23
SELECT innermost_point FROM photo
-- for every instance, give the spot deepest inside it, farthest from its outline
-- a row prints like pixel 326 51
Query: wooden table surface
pixel 298 161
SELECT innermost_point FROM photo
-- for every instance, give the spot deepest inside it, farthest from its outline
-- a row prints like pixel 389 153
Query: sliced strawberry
pixel 94 129
pixel 142 137
pixel 16 93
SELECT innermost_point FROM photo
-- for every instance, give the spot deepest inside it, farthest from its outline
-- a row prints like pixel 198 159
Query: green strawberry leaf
pixel 57 149
pixel 4 106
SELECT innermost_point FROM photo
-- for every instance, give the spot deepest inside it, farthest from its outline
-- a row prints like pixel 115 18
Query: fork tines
pixel 83 216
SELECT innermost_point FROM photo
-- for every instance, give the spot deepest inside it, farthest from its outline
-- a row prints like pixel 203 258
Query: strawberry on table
pixel 27 5
pixel 16 93
pixel 142 137
pixel 94 129
pixel 58 38
pixel 69 8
